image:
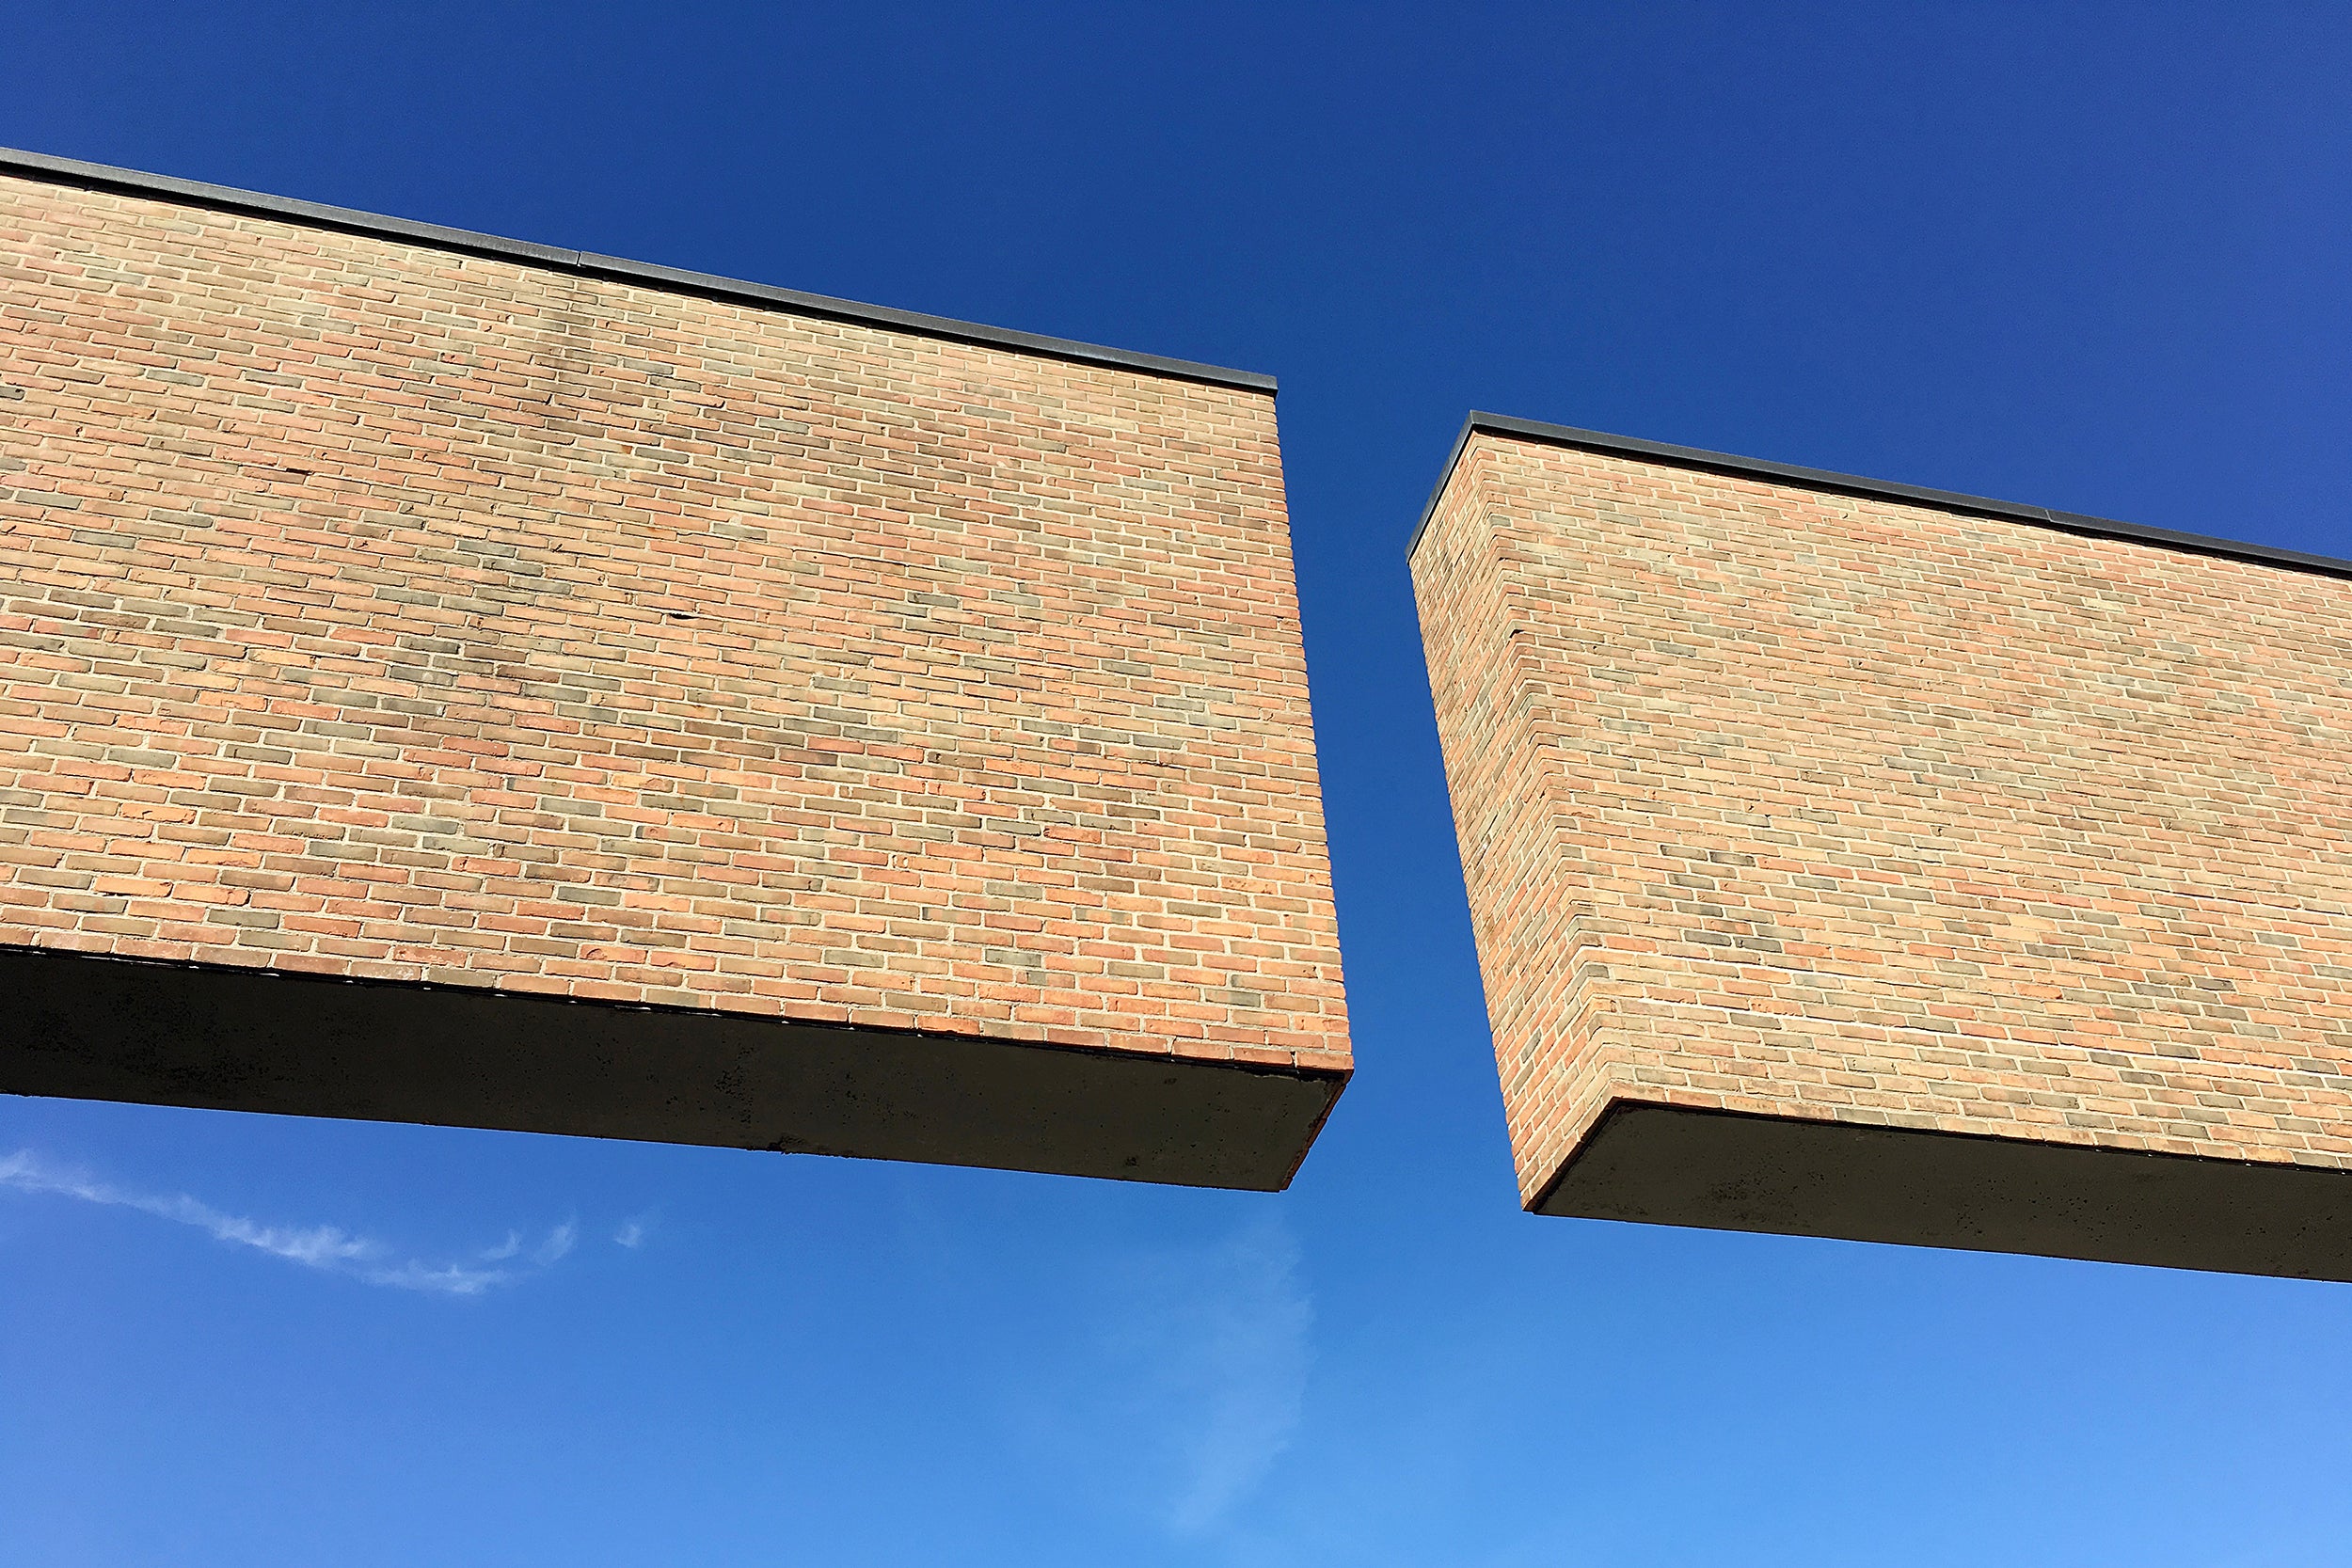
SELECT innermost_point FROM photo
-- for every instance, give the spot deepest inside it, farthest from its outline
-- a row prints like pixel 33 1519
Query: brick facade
pixel 375 610
pixel 1834 808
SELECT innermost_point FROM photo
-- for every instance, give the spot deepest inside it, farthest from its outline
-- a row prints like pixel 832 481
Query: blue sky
pixel 2089 258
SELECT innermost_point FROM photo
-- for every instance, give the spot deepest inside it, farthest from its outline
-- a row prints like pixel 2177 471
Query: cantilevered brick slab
pixel 1861 861
pixel 450 680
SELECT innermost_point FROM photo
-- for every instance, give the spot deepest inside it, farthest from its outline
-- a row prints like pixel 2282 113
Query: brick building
pixel 1862 860
pixel 455 680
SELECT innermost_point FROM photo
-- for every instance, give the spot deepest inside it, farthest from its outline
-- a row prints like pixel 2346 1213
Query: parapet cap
pixel 1855 485
pixel 72 171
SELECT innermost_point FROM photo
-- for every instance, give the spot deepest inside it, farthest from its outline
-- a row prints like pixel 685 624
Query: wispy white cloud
pixel 1241 1333
pixel 557 1245
pixel 634 1232
pixel 326 1247
pixel 1192 1385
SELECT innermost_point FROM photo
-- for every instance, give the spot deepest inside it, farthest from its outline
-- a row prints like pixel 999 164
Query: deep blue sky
pixel 2091 257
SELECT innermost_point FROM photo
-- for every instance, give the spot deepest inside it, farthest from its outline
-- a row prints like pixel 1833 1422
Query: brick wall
pixel 1778 800
pixel 374 610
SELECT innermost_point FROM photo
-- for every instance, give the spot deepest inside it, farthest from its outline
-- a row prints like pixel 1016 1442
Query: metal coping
pixel 72 171
pixel 1851 484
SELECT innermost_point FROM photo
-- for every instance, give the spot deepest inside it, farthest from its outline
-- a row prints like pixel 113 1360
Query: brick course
pixel 373 611
pixel 1778 800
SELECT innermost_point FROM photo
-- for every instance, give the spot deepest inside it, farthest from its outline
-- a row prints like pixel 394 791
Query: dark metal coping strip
pixel 72 171
pixel 1851 484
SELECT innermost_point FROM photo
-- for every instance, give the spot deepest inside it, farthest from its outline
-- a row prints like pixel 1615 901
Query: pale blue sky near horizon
pixel 2093 257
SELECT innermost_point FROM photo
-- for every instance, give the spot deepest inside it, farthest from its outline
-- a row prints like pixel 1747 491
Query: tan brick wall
pixel 1834 807
pixel 372 610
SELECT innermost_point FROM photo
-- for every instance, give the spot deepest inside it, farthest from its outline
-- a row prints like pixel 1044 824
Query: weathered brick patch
pixel 371 609
pixel 1854 810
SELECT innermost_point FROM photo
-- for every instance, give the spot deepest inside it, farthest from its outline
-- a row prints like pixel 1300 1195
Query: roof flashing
pixel 1855 485
pixel 73 171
